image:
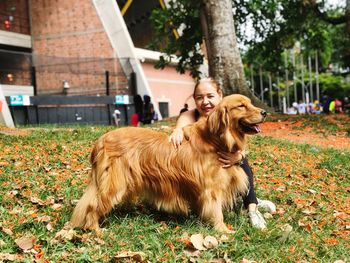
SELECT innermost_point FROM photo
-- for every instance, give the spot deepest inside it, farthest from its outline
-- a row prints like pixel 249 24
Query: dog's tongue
pixel 256 127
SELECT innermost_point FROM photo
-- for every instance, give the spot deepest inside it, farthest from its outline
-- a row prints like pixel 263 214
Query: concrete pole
pixel 270 90
pixel 294 77
pixel 310 79
pixel 317 80
pixel 302 78
pixel 278 93
pixel 252 78
pixel 284 105
pixel 286 72
pixel 261 85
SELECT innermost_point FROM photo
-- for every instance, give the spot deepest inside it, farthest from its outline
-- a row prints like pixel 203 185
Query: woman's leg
pixel 250 197
pixel 250 201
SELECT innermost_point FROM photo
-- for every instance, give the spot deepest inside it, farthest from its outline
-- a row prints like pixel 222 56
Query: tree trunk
pixel 225 63
pixel 347 15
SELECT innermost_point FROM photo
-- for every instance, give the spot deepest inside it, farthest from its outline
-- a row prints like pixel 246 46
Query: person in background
pixel 338 106
pixel 332 106
pixel 185 108
pixel 116 116
pixel 148 110
pixel 317 107
pixel 294 109
pixel 137 117
pixel 301 107
pixel 325 104
pixel 207 94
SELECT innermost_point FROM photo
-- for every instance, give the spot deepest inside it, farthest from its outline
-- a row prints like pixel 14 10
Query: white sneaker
pixel 256 219
pixel 267 205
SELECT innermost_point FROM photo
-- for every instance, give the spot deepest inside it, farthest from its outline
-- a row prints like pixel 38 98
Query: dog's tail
pixel 90 207
pixel 85 213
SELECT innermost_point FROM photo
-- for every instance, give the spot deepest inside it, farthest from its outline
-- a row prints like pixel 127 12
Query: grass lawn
pixel 44 171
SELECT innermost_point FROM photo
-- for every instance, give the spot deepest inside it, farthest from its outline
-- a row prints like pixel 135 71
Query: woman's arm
pixel 230 159
pixel 185 118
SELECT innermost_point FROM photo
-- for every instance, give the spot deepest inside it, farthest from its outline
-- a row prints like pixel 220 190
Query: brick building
pixel 85 47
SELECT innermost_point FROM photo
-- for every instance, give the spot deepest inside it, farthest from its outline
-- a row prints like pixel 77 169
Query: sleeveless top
pixel 196 114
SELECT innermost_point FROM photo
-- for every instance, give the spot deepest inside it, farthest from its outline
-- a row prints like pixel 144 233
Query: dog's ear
pixel 218 120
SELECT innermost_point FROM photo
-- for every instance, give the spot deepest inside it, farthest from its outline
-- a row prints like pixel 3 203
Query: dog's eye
pixel 241 106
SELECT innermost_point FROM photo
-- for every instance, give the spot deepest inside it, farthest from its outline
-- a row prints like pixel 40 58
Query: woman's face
pixel 206 97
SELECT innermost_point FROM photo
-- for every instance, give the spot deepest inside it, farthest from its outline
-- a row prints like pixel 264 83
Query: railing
pixel 75 110
pixel 76 76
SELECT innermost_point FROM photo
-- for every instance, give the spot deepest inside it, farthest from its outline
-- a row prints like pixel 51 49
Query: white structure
pixel 5 114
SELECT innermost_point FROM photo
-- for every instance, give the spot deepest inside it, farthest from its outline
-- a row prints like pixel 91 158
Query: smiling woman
pixel 207 95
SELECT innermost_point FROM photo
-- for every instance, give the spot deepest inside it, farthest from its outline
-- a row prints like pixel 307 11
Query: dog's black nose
pixel 263 113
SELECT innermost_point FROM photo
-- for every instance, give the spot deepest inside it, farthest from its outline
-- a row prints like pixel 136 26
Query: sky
pixel 250 31
pixel 340 3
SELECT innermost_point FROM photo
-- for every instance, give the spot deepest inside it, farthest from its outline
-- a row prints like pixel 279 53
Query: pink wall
pixel 167 85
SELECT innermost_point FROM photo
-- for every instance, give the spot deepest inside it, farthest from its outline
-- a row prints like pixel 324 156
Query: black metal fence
pixel 89 76
pixel 97 110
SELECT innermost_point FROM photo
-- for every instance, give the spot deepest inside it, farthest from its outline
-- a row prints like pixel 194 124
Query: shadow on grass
pixel 136 211
pixel 148 213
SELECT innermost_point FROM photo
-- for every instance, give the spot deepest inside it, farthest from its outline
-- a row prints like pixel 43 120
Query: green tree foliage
pixel 334 86
pixel 276 26
pixel 181 16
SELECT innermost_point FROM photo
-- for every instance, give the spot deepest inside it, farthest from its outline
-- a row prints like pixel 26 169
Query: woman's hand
pixel 176 137
pixel 229 159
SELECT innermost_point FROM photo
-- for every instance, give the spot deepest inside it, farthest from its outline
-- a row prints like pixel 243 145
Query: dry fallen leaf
pixel 311 191
pixel 65 234
pixel 287 229
pixel 50 200
pixel 49 227
pixel 16 211
pixel 309 211
pixel 197 241
pixel 268 215
pixel 25 243
pixel 224 238
pixel 2 243
pixel 134 256
pixel 244 260
pixel 189 252
pixel 36 200
pixel 281 188
pixel 13 193
pixel 339 214
pixel 57 206
pixel 74 201
pixel 7 257
pixel 218 260
pixel 224 259
pixel 309 252
pixel 210 242
pixel 44 218
pixel 7 231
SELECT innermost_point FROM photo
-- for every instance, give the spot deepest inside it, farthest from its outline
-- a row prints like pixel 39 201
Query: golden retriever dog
pixel 139 164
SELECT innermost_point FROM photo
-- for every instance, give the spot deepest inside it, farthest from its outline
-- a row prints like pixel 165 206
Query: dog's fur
pixel 131 164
